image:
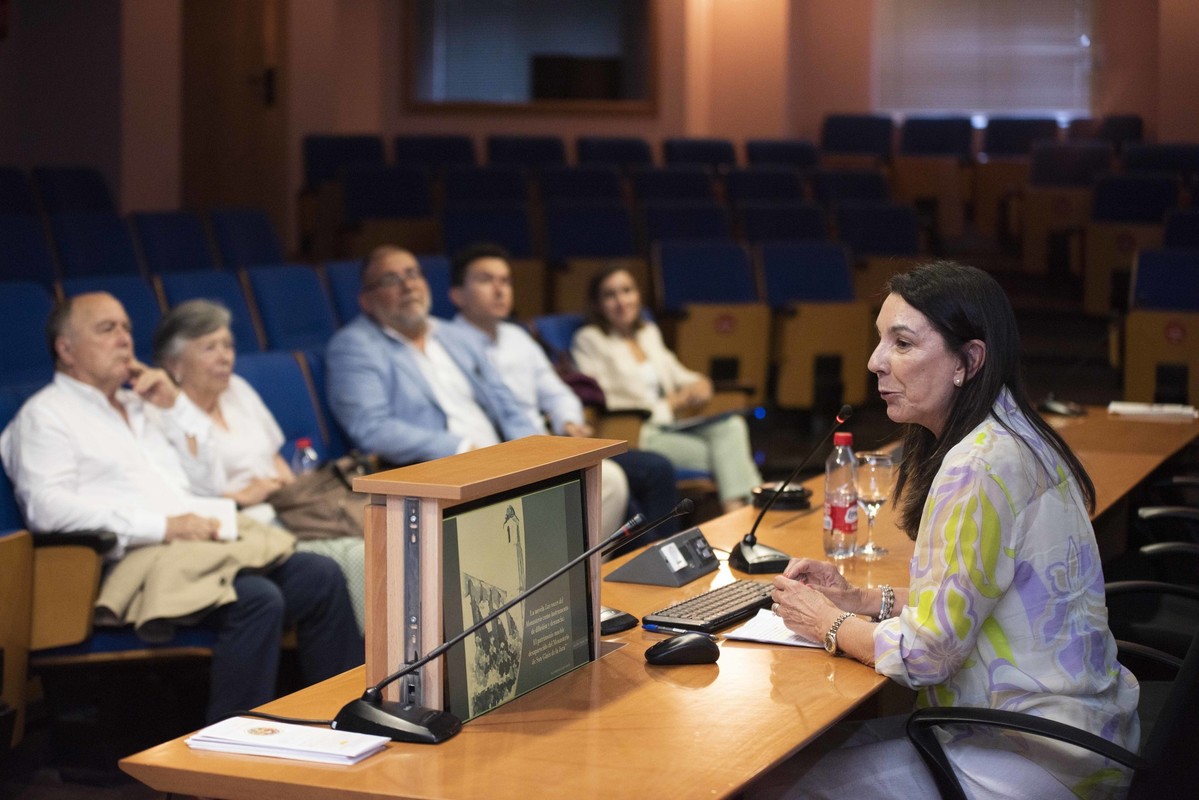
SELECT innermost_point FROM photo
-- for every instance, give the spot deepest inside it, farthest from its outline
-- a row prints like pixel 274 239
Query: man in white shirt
pixel 88 453
pixel 481 289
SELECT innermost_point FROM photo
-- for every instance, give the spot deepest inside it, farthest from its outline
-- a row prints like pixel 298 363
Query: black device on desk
pixel 686 648
pixel 715 609
pixel 671 562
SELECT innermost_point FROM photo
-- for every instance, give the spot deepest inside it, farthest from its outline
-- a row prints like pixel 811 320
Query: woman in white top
pixel 627 357
pixel 195 345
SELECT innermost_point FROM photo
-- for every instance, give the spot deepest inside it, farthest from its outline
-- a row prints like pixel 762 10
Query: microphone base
pixel 757 558
pixel 399 722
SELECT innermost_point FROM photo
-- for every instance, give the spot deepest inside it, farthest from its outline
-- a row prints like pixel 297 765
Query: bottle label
pixel 841 518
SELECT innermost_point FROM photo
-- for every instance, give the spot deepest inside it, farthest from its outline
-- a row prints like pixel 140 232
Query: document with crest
pixel 261 737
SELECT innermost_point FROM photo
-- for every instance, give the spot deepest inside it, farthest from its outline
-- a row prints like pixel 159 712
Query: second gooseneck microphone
pixel 757 559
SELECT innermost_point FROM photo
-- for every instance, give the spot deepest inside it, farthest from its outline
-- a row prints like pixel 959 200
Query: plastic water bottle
pixel 841 499
pixel 304 459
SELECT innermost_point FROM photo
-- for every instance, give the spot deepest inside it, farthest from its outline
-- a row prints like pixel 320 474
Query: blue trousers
pixel 652 490
pixel 307 592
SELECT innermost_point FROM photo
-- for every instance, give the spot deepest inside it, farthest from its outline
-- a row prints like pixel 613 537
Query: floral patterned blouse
pixel 1006 607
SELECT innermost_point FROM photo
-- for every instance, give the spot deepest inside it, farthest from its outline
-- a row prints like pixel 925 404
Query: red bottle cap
pixel 841 438
pixel 303 443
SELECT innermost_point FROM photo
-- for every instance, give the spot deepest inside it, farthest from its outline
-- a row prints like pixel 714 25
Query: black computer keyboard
pixel 715 609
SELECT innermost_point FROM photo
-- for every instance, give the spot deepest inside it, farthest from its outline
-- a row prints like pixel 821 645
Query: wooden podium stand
pixel 403 542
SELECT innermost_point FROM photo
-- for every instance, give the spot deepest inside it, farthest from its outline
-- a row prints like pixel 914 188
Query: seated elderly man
pixel 112 444
pixel 411 388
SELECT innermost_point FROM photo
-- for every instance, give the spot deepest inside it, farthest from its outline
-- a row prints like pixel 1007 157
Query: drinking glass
pixel 876 477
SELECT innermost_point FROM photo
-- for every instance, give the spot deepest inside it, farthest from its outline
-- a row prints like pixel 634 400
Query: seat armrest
pixel 99 541
pixel 66 578
pixel 1147 663
pixel 921 725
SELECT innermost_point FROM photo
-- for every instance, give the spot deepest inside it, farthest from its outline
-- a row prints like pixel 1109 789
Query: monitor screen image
pixel 492 550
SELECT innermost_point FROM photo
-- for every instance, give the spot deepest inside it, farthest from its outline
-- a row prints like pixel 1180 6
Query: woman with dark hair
pixel 626 356
pixel 1005 605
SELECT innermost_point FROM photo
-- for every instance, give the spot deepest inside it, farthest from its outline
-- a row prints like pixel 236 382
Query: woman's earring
pixel 957 382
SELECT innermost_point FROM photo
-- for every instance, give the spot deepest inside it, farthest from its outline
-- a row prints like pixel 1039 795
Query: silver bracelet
pixel 888 603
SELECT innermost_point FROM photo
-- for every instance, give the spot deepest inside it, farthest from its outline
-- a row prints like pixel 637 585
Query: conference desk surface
pixel 618 726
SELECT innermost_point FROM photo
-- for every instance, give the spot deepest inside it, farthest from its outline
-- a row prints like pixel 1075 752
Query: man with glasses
pixel 404 385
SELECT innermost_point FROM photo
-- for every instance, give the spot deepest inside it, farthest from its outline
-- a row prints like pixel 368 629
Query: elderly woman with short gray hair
pixel 194 343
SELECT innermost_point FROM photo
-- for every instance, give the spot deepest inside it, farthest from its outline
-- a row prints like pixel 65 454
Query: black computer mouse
pixel 686 648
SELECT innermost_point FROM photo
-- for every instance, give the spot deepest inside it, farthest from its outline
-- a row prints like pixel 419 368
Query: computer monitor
pixel 492 549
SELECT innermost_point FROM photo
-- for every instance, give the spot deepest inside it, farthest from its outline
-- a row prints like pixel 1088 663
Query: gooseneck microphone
pixel 408 722
pixel 756 559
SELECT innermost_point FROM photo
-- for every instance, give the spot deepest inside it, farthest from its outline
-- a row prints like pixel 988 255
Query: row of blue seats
pixel 80 244
pixel 295 307
pixel 91 244
pixel 867 134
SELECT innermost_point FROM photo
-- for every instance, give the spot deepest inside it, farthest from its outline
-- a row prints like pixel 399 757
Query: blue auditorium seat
pixel 557 331
pixel 721 327
pixel 806 272
pixel 588 231
pixel 506 225
pixel 713 153
pixel 483 186
pixel 1134 198
pixel 765 221
pixel 692 219
pixel 796 154
pixel 857 134
pixel 623 152
pixel 72 188
pixel 383 192
pixel 336 443
pixel 326 155
pixel 135 295
pixel 1069 163
pixel 16 192
pixel 436 269
pixel 10 512
pixel 703 272
pixel 93 243
pixel 588 183
pixel 279 379
pixel 763 183
pixel 937 136
pixel 832 187
pixel 879 229
pixel 172 241
pixel 1015 136
pixel 526 151
pixel 1166 280
pixel 822 340
pixel 292 305
pixel 673 183
pixel 344 284
pixel 1182 230
pixel 1177 158
pixel 220 287
pixel 25 362
pixel 245 237
pixel 434 151
pixel 25 250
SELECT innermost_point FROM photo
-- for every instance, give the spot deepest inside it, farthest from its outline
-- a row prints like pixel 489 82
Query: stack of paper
pixel 259 737
pixel 1158 410
pixel 768 627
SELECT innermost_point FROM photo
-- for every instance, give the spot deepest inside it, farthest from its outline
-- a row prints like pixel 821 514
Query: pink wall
pixel 830 66
pixel 1179 69
pixel 1126 62
pixel 151 78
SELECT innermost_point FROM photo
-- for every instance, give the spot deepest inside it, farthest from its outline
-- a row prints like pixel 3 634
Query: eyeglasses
pixel 394 279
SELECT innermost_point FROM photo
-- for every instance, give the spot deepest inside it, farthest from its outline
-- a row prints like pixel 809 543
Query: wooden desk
pixel 619 727
pixel 616 727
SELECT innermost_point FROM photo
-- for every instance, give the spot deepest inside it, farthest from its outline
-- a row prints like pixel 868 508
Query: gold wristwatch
pixel 830 638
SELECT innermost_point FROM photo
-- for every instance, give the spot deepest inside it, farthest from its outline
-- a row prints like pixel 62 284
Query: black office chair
pixel 1165 767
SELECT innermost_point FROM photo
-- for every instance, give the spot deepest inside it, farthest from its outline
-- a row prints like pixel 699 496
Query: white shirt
pixel 529 374
pixel 464 417
pixel 248 445
pixel 77 465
